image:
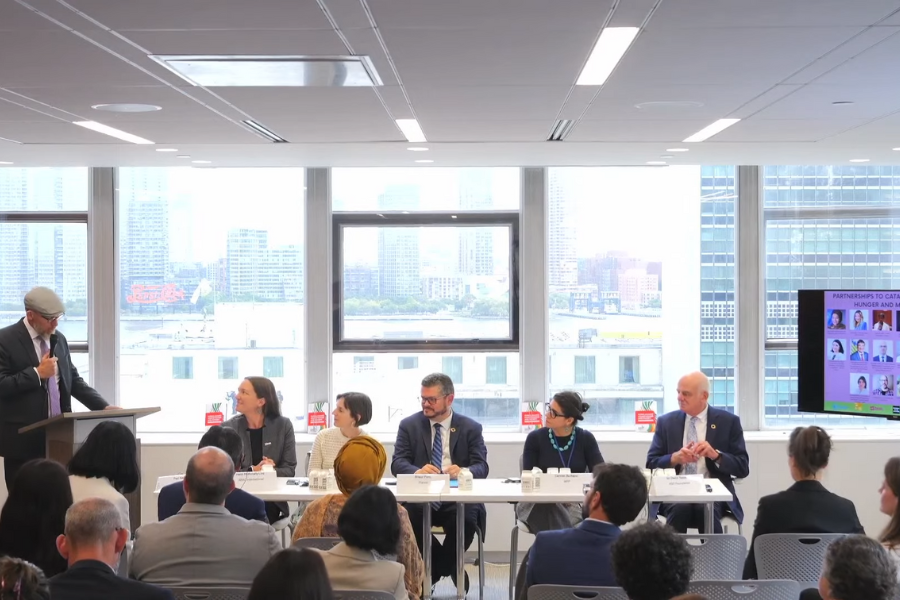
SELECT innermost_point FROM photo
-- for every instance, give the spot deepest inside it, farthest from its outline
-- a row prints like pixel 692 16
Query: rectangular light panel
pixel 607 52
pixel 711 130
pixel 112 132
pixel 273 71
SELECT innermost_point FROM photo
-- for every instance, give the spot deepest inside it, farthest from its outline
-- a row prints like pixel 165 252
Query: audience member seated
pixel 293 574
pixel 93 543
pixel 35 514
pixel 856 568
pixel 106 467
pixel 21 580
pixel 559 445
pixel 370 528
pixel 204 544
pixel 890 492
pixel 361 461
pixel 652 562
pixel 806 506
pixel 243 504
pixel 581 556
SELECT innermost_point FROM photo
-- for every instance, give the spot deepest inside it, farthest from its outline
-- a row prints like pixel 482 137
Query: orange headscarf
pixel 360 462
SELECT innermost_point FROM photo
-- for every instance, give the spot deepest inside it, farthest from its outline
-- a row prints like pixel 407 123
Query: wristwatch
pixel 719 457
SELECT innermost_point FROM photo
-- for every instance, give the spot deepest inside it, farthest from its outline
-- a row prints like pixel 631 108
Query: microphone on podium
pixel 53 340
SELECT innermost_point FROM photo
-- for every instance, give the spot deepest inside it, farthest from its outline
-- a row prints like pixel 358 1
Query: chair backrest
pixel 718 556
pixel 322 543
pixel 362 595
pixel 746 590
pixel 198 593
pixel 574 592
pixel 796 556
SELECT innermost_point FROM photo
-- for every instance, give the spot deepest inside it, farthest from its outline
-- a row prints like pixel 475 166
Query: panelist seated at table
pixel 559 445
pixel 267 436
pixel 434 441
pixel 243 504
pixel 581 555
pixel 806 506
pixel 361 461
pixel 699 439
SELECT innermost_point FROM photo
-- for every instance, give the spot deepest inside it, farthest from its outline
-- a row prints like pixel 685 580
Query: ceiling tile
pixel 15 17
pixel 785 130
pixel 12 112
pixel 508 103
pixel 868 67
pixel 193 131
pixel 483 131
pixel 814 101
pixel 313 42
pixel 493 15
pixel 635 131
pixel 771 13
pixel 668 102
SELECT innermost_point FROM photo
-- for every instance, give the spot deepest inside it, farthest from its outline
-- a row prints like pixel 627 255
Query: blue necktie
pixel 691 468
pixel 437 455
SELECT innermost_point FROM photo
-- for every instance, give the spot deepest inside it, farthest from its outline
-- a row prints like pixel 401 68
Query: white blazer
pixel 100 487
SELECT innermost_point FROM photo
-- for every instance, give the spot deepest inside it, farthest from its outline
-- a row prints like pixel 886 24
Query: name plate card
pixel 675 485
pixel 256 480
pixel 165 480
pixel 422 484
pixel 562 483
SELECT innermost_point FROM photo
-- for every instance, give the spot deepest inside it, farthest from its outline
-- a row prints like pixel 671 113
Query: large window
pixel 447 278
pixel 826 227
pixel 211 288
pixel 43 189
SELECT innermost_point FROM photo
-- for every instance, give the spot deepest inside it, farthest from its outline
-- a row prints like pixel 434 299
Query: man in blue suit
pixel 240 503
pixel 434 441
pixel 581 555
pixel 699 439
pixel 860 353
pixel 883 355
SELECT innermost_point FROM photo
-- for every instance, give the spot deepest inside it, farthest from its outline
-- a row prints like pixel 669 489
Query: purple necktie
pixel 52 383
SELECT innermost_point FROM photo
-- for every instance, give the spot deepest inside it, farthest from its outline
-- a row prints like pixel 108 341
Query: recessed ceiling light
pixel 452 216
pixel 112 132
pixel 417 149
pixel 666 156
pixel 842 103
pixel 608 51
pixel 183 156
pixel 5 162
pixel 201 162
pixel 896 149
pixel 127 108
pixel 167 149
pixel 677 150
pixel 425 161
pixel 412 131
pixel 656 162
pixel 711 130
pixel 859 160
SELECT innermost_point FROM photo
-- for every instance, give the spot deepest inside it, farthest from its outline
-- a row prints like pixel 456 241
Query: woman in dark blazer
pixel 806 506
pixel 268 437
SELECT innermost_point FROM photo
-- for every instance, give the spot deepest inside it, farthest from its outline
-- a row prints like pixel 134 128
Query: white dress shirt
pixel 445 438
pixel 701 436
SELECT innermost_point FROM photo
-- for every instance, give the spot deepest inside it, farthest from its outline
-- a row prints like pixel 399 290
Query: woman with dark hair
pixel 292 574
pixel 806 506
pixel 559 445
pixel 890 492
pixel 369 526
pixel 837 350
pixel 106 466
pixel 351 411
pixel 21 580
pixel 268 437
pixel 34 515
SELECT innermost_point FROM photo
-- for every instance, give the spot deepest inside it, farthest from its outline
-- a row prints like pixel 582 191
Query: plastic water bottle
pixel 565 471
pixel 314 479
pixel 537 474
pixel 466 480
pixel 527 482
pixel 330 481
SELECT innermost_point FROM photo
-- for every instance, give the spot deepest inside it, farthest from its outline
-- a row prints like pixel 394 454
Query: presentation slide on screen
pixel 862 352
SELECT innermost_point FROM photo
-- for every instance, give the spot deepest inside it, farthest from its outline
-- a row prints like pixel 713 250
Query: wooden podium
pixel 66 432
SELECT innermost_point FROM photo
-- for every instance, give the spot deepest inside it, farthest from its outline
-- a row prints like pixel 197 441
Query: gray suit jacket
pixel 354 569
pixel 279 443
pixel 202 545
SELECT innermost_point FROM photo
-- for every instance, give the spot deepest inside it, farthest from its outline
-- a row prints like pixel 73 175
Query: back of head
pixel 623 491
pixel 572 405
pixel 891 534
pixel 265 389
pixel 810 448
pixel 224 438
pixel 91 522
pixel 209 476
pixel 651 562
pixel 370 520
pixel 292 574
pixel 110 452
pixel 858 567
pixel 21 580
pixel 361 461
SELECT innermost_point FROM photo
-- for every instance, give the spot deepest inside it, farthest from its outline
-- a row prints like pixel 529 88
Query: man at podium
pixel 37 379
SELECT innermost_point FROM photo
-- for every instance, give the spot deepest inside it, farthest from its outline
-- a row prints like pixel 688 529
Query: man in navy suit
pixel 93 542
pixel 883 356
pixel 699 439
pixel 434 441
pixel 581 555
pixel 243 504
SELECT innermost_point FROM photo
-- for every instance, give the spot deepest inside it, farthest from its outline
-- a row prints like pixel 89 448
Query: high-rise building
pixel 562 230
pixel 245 254
pixel 476 244
pixel 398 247
pixel 144 226
pixel 360 281
pixel 633 283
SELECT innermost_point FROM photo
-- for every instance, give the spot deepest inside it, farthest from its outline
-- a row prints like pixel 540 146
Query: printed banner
pixel 531 416
pixel 645 415
pixel 316 416
pixel 215 414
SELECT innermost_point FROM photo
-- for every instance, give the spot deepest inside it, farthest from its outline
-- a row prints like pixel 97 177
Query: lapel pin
pixel 713 426
pixel 453 430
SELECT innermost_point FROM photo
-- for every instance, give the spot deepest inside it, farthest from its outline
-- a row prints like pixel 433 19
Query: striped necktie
pixel 437 455
pixel 691 468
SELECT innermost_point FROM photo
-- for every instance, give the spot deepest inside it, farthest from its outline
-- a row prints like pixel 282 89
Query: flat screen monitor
pixel 849 352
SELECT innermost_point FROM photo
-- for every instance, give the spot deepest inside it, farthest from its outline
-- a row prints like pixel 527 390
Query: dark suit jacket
pixel 278 440
pixel 243 504
pixel 723 432
pixel 93 580
pixel 23 395
pixel 578 556
pixel 412 450
pixel 805 507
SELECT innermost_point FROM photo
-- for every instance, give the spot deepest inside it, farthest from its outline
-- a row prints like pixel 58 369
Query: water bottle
pixel 314 476
pixel 527 482
pixel 565 471
pixel 466 480
pixel 330 481
pixel 537 474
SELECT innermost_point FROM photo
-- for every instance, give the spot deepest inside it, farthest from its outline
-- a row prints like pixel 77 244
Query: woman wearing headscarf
pixel 360 462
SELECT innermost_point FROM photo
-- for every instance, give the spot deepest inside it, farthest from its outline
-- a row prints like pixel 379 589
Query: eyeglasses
pixel 51 317
pixel 548 410
pixel 431 399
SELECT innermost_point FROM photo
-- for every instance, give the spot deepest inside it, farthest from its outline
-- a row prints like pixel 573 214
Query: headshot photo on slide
pixel 837 349
pixel 859 384
pixel 835 319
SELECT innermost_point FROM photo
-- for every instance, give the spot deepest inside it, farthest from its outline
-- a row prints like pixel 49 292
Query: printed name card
pixel 165 480
pixel 674 485
pixel 562 483
pixel 422 484
pixel 256 480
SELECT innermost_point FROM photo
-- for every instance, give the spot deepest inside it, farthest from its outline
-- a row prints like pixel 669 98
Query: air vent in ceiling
pixel 561 130
pixel 262 131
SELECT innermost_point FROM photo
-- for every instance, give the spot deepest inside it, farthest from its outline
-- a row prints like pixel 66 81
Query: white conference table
pixel 488 491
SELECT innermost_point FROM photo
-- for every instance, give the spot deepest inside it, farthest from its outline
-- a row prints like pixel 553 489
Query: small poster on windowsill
pixel 531 416
pixel 645 415
pixel 316 416
pixel 215 414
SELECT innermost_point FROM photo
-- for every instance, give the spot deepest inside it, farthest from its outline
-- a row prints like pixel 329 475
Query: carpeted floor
pixel 496 583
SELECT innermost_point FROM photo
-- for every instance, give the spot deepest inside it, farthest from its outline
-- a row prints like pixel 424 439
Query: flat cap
pixel 44 301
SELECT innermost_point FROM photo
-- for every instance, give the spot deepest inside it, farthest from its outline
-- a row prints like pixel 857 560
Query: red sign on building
pixel 155 294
